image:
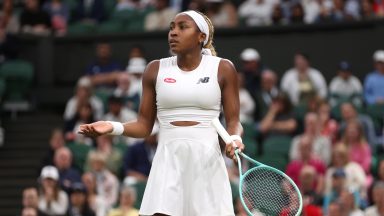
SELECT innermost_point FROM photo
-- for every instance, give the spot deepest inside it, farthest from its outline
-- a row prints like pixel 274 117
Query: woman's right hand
pixel 96 129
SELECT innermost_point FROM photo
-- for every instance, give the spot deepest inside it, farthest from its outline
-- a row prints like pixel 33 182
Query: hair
pixel 209 44
pixel 359 127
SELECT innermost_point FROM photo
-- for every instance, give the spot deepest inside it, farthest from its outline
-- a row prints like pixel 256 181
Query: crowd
pixel 44 17
pixel 334 154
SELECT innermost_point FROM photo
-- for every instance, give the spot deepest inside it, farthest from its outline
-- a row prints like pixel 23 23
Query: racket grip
pixel 221 131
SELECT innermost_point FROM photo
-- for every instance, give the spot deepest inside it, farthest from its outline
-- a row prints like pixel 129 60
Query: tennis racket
pixel 264 190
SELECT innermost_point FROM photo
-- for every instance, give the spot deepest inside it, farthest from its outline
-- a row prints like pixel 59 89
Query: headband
pixel 200 22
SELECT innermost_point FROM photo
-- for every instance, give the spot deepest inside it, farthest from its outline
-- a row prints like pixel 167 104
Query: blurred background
pixel 311 94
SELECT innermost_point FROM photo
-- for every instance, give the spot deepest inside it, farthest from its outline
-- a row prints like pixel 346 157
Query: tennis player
pixel 185 92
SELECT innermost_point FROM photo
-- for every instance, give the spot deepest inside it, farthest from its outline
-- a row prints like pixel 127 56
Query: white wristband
pixel 236 137
pixel 118 128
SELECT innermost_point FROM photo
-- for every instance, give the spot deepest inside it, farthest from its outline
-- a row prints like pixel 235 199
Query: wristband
pixel 118 128
pixel 236 137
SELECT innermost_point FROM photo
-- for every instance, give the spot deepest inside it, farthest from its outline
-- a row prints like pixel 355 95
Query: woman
pixel 52 200
pixel 185 92
pixel 127 200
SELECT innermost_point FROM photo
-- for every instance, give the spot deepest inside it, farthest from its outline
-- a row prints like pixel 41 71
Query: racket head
pixel 265 190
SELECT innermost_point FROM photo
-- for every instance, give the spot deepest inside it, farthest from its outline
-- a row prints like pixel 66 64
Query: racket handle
pixel 221 131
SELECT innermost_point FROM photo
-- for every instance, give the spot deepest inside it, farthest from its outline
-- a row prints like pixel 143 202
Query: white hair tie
pixel 206 51
pixel 200 22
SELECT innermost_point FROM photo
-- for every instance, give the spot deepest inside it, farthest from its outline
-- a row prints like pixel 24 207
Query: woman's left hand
pixel 230 148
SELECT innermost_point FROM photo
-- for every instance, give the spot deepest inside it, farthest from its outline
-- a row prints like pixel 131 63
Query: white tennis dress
pixel 188 175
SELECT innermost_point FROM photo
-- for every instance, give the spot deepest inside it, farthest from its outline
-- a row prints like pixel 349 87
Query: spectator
pixel 373 90
pixel 349 113
pixel 247 105
pixel 91 12
pixel 256 12
pixel 338 184
pixel 53 201
pixel 107 185
pixel 266 94
pixel 9 21
pixel 328 127
pixel 131 101
pixel 104 70
pixel 378 7
pixel 297 14
pixel 127 199
pixel 59 14
pixel 251 68
pixel 78 201
pixel 278 16
pixel 359 150
pixel 113 156
pixel 30 198
pixel 161 17
pixel 29 211
pixel 307 158
pixel 378 199
pixel 367 12
pixel 303 82
pixel 138 158
pixel 130 5
pixel 34 20
pixel 67 175
pixel 222 13
pixel 83 95
pixel 84 115
pixel 307 179
pixel 341 11
pixel 118 112
pixel 355 175
pixel 95 201
pixel 56 141
pixel 279 119
pixel 350 203
pixel 335 209
pixel 321 144
pixel 135 69
pixel 312 9
pixel 345 86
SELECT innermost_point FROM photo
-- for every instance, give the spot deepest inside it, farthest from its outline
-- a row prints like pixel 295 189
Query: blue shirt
pixel 97 68
pixel 137 158
pixel 373 87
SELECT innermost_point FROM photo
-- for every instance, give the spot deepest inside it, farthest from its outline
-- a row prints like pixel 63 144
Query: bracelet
pixel 118 128
pixel 236 137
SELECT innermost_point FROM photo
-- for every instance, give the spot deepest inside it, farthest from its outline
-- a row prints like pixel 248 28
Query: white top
pixel 345 87
pixel 72 104
pixel 290 84
pixel 371 211
pixel 188 95
pixel 57 207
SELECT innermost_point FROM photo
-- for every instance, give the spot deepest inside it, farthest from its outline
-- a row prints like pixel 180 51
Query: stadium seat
pixel 277 145
pixel 113 26
pixel 79 154
pixel 140 188
pixel 81 28
pixel 278 162
pixel 249 139
pixel 123 15
pixel 18 75
pixel 109 6
pixel 376 112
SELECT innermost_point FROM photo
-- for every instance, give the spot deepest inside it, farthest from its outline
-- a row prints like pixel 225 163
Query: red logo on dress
pixel 169 80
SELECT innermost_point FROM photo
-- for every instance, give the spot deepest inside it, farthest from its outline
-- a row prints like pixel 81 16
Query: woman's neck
pixel 189 61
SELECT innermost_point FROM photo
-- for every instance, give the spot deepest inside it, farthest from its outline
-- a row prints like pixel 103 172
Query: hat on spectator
pixel 344 66
pixel 250 54
pixel 78 187
pixel 49 172
pixel 339 173
pixel 84 82
pixel 378 56
pixel 136 65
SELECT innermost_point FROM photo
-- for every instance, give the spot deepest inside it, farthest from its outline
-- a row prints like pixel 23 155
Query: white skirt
pixel 188 175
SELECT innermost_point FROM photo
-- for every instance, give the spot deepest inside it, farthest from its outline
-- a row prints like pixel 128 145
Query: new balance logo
pixel 203 80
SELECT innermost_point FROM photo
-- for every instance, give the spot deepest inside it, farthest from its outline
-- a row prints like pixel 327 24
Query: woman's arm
pixel 230 99
pixel 141 127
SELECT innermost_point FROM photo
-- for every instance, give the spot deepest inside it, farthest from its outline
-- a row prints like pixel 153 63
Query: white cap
pixel 378 56
pixel 250 54
pixel 49 172
pixel 136 65
pixel 84 82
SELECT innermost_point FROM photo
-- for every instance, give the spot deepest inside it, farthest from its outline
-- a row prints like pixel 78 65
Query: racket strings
pixel 266 192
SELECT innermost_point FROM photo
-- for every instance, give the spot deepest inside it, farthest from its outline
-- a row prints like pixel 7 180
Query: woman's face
pixel 89 181
pixel 184 35
pixel 49 183
pixel 352 133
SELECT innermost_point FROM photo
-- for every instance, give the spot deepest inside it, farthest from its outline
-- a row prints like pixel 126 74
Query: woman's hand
pixel 230 149
pixel 96 129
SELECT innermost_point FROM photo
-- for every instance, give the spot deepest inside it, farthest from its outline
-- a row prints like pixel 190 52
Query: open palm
pixel 95 129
